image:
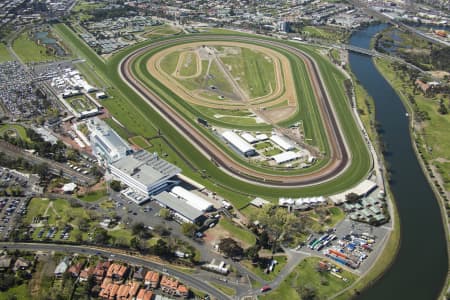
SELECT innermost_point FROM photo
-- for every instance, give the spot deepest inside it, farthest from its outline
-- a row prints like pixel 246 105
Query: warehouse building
pixel 145 172
pixel 282 142
pixel 249 138
pixel 107 145
pixel 182 211
pixel 238 143
pixel 192 199
pixel 286 157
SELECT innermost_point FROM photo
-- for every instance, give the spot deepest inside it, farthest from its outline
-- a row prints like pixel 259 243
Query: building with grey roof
pixel 107 145
pixel 181 210
pixel 144 172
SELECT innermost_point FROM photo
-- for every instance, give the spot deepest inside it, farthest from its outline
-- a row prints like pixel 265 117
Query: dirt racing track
pixel 339 153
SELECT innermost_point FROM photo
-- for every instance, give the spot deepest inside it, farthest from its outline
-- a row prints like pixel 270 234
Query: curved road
pixel 340 156
pixel 188 279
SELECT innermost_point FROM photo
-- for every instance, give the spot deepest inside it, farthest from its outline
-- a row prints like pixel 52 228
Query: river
pixel 419 271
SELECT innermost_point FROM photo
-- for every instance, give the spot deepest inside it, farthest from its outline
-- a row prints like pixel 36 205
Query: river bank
pixel 419 212
pixel 420 146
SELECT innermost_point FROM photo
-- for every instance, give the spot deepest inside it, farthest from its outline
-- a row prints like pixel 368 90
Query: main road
pixel 340 156
pixel 188 279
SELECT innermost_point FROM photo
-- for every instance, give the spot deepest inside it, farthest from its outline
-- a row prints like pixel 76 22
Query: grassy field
pixel 140 141
pixel 94 196
pixel 281 259
pixel 306 275
pixel 140 119
pixel 169 62
pixel 4 54
pixel 80 103
pixel 255 72
pixel 226 289
pixel 59 213
pixel 161 30
pixel 29 51
pixel 241 234
pixel 17 292
pixel 14 128
pixel 189 64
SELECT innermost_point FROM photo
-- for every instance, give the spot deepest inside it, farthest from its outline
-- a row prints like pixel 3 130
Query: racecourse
pixel 339 156
pixel 131 110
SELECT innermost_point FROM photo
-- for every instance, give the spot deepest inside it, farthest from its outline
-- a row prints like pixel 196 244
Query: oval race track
pixel 340 156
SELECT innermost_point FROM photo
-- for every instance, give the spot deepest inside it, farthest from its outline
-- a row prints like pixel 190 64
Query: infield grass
pixel 4 53
pixel 189 64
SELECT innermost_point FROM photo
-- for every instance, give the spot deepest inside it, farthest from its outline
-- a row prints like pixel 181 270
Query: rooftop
pixel 178 205
pixel 146 167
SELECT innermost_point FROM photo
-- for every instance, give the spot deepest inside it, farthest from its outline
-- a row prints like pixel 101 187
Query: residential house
pixel 139 274
pixel 116 271
pixel 86 273
pixel 169 285
pixel 61 268
pixel 100 270
pixel 5 262
pixel 144 295
pixel 75 270
pixel 21 264
pixel 152 279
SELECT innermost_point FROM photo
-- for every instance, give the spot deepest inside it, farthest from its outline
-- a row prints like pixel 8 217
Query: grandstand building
pixel 145 172
pixel 106 144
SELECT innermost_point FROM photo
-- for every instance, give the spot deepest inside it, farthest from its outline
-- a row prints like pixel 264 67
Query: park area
pixel 14 130
pixel 80 103
pixel 312 279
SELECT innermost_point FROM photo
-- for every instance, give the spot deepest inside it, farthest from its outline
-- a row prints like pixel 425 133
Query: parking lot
pixel 350 243
pixel 10 209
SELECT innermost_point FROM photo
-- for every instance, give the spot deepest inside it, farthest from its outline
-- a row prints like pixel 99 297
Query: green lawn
pixel 256 73
pixel 226 289
pixel 4 54
pixel 306 275
pixel 161 30
pixel 272 152
pixel 170 61
pixel 281 259
pixel 80 103
pixel 141 142
pixel 239 233
pixel 94 196
pixel 17 292
pixel 189 64
pixel 14 128
pixel 263 145
pixel 29 51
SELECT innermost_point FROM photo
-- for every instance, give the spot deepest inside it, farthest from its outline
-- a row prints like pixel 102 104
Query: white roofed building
pixel 238 143
pixel 283 142
pixel 145 172
pixel 249 138
pixel 106 144
pixel 286 157
pixel 192 199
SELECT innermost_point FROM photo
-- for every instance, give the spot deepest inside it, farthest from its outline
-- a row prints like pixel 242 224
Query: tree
pixel 307 292
pixel 116 186
pixel 165 213
pixel 162 249
pixel 189 229
pixel 231 248
pixel 137 228
pixel 101 236
pixel 442 108
pixel 352 197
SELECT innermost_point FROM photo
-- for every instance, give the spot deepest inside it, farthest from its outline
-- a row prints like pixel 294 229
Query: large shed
pixel 238 143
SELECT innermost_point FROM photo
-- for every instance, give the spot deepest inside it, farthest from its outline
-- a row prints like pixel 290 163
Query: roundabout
pixel 161 87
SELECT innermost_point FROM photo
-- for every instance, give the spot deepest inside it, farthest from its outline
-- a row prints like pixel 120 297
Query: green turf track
pixel 221 182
